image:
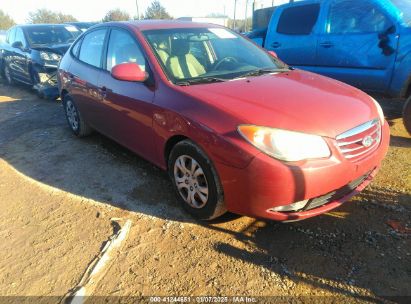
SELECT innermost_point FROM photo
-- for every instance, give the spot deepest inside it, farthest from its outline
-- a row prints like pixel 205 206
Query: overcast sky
pixel 92 10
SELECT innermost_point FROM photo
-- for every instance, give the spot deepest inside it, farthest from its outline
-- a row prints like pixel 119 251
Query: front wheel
pixel 7 75
pixel 196 182
pixel 407 115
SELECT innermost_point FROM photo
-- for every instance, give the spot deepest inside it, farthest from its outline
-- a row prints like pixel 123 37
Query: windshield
pixel 49 35
pixel 83 26
pixel 216 54
pixel 404 7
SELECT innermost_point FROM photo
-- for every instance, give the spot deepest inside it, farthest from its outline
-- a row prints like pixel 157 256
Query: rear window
pixel 298 20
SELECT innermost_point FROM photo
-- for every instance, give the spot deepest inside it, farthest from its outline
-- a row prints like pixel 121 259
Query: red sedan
pixel 237 129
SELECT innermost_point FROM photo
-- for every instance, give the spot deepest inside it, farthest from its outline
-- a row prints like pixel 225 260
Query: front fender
pixel 220 148
pixel 401 78
pixel 177 114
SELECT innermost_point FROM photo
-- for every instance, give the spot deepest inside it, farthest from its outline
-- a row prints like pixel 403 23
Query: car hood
pixel 54 48
pixel 296 100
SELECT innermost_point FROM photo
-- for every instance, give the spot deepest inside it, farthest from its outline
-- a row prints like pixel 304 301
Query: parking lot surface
pixel 61 198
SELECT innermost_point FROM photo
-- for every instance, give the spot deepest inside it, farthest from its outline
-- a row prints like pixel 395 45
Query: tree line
pixel 42 15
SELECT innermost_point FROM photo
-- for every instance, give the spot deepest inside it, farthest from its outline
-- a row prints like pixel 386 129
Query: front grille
pixel 335 195
pixel 359 142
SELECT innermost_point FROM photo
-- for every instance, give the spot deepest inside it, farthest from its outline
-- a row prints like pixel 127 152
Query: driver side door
pixel 127 107
pixel 358 45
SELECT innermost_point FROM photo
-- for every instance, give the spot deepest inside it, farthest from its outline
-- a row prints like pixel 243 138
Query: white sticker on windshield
pixel 71 28
pixel 222 33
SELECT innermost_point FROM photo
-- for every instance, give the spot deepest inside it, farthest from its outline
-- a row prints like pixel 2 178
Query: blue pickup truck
pixel 364 43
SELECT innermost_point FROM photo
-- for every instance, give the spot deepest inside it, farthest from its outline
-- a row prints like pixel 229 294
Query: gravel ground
pixel 62 197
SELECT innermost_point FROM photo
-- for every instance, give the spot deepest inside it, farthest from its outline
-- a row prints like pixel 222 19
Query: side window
pixel 92 47
pixel 123 48
pixel 298 20
pixel 11 35
pixel 20 37
pixel 356 17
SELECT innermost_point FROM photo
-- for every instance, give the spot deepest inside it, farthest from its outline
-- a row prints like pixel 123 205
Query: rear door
pixel 291 34
pixel 85 71
pixel 127 107
pixel 358 45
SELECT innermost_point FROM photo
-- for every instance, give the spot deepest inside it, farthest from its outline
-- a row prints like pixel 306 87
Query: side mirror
pixel 17 45
pixel 273 54
pixel 129 72
pixel 384 43
pixel 391 30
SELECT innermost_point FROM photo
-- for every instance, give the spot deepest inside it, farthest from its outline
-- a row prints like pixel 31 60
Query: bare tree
pixel 116 15
pixel 157 11
pixel 6 21
pixel 63 18
pixel 43 15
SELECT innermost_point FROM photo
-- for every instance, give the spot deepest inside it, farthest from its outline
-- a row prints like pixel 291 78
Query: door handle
pixel 326 44
pixel 275 45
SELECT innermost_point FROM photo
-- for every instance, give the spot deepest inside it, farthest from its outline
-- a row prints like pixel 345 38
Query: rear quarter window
pixel 298 20
pixel 76 47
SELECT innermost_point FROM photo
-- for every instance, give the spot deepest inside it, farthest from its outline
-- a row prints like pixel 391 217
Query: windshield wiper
pixel 262 72
pixel 200 80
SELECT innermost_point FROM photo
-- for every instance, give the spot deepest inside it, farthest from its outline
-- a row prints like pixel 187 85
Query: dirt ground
pixel 61 198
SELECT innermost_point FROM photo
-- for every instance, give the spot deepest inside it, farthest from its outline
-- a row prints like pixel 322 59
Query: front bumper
pixel 268 183
pixel 46 85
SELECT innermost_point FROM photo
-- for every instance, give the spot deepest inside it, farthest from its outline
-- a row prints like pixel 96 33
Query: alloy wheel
pixel 72 115
pixel 191 181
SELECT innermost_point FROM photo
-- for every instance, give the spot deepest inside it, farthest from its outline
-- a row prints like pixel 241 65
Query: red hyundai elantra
pixel 237 129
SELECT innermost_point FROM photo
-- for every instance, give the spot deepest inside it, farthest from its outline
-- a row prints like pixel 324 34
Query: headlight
pixel 285 145
pixel 46 56
pixel 380 111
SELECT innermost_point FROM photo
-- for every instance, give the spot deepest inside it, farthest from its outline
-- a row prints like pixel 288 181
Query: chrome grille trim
pixel 351 150
pixel 351 145
pixel 341 144
pixel 348 143
pixel 358 130
pixel 363 152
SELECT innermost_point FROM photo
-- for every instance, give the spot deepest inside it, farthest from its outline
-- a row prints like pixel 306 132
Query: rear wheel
pixel 407 115
pixel 196 182
pixel 74 118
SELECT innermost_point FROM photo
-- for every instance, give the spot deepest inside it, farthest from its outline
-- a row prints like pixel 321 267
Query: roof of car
pixel 144 25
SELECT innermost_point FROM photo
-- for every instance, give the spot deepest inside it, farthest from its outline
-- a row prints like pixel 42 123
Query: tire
pixel 406 115
pixel 7 75
pixel 201 193
pixel 74 118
